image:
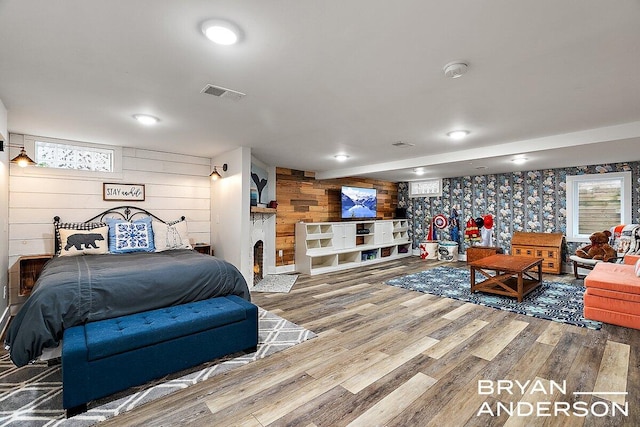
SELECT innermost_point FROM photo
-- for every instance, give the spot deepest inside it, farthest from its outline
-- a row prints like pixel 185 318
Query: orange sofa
pixel 613 293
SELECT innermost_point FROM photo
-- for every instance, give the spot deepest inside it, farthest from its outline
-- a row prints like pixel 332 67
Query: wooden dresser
pixel 547 246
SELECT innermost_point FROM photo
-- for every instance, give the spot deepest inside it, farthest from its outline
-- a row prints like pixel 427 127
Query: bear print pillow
pixel 84 242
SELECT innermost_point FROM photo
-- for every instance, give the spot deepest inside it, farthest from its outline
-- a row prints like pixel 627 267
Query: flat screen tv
pixel 359 202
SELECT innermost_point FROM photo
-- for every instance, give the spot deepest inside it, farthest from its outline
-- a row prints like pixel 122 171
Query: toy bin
pixel 448 251
pixel 429 249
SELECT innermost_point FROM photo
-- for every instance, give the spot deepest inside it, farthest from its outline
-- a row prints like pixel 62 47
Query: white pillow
pixel 167 237
pixel 84 242
pixel 637 268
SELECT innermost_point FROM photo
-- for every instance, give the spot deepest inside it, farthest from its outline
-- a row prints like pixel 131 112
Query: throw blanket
pixel 75 290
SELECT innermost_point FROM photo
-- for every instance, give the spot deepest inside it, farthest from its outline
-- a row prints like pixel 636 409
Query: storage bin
pixel 429 249
pixel 448 251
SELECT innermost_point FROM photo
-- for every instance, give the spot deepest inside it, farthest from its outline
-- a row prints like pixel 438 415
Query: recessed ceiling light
pixel 458 134
pixel 519 160
pixel 146 119
pixel 341 157
pixel 419 171
pixel 221 32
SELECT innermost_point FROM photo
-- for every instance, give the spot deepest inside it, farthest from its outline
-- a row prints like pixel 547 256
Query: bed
pixel 92 286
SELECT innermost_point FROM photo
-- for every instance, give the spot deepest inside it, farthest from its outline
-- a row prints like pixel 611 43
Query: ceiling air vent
pixel 402 144
pixel 222 92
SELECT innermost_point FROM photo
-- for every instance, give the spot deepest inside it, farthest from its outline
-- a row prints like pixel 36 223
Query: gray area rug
pixel 275 283
pixel 32 395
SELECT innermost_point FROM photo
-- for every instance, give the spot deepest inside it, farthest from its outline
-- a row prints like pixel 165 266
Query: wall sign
pixel 127 192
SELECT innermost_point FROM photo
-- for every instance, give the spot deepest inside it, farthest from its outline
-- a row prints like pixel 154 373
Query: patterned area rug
pixel 32 395
pixel 560 302
pixel 276 283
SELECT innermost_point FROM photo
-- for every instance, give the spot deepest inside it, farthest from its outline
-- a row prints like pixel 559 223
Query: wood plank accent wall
pixel 303 198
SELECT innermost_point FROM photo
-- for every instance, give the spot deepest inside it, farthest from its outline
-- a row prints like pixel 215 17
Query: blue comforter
pixel 75 290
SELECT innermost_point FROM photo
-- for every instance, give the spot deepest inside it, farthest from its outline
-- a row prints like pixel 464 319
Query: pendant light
pixel 22 159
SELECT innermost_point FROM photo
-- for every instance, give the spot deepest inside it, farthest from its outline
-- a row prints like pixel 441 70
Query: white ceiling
pixel 558 81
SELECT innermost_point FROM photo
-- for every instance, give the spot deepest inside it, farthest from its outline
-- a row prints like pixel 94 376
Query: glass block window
pixel 67 156
pixel 425 188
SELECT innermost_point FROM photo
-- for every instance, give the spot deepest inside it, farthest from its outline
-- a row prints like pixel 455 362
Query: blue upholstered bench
pixel 103 357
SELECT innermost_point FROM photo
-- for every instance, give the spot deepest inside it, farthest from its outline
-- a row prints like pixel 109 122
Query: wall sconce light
pixel 215 174
pixel 22 159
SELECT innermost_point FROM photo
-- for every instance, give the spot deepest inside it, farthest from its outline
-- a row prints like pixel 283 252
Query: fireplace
pixel 258 261
pixel 262 246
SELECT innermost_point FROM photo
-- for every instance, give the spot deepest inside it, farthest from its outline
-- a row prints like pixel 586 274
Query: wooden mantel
pixel 255 209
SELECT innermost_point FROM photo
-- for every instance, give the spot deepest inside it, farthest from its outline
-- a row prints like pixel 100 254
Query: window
pixel 597 202
pixel 426 188
pixel 67 156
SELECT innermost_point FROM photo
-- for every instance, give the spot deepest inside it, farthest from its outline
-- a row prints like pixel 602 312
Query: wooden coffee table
pixel 514 276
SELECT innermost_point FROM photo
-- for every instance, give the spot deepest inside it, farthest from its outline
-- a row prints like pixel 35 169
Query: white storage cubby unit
pixel 323 247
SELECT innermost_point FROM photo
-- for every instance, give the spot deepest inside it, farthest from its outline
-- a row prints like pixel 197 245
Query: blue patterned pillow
pixel 136 236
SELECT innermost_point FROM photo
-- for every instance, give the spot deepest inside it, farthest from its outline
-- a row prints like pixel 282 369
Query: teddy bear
pixel 599 247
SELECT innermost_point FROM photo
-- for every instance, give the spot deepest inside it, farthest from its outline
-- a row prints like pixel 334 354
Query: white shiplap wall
pixel 4 218
pixel 175 185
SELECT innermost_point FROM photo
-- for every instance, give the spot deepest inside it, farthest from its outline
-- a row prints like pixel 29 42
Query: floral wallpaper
pixel 533 201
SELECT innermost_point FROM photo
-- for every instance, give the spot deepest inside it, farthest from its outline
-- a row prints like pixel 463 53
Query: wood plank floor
pixel 393 357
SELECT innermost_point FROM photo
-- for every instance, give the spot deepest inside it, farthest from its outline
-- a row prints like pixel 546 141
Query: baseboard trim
pixel 283 269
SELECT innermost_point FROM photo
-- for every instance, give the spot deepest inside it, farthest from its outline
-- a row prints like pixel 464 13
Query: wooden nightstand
pixel 30 268
pixel 203 248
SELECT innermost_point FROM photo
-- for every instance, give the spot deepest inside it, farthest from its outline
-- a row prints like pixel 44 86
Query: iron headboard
pixel 127 213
